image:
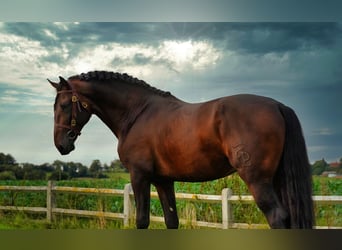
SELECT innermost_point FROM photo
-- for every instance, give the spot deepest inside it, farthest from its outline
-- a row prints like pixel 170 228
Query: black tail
pixel 293 180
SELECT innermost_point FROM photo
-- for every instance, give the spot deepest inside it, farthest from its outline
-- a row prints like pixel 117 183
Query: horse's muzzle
pixel 64 150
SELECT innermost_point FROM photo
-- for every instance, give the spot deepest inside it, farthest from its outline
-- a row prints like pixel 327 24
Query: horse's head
pixel 71 114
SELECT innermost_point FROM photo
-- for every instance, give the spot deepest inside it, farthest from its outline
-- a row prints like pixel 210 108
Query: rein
pixel 76 106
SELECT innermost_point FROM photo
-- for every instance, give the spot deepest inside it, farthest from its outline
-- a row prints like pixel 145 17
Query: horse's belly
pixel 200 168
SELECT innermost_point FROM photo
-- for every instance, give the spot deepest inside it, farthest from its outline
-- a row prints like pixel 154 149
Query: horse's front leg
pixel 141 188
pixel 167 198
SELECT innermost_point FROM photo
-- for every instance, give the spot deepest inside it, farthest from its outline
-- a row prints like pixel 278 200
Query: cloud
pixel 276 37
pixel 50 34
pixel 20 59
pixel 32 52
pixel 315 149
pixel 9 99
pixel 138 59
pixel 323 131
pixel 16 99
pixel 15 47
pixel 196 55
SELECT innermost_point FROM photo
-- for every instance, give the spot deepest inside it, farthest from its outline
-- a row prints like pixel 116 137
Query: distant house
pixel 330 174
pixel 334 164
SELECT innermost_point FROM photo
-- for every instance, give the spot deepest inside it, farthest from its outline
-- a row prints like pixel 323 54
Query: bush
pixel 7 175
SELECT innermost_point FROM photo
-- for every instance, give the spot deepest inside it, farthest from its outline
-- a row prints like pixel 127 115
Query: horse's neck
pixel 117 106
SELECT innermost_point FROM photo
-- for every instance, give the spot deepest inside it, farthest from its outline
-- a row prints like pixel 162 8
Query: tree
pixel 106 168
pixel 7 159
pixel 58 175
pixel 71 169
pixel 82 171
pixel 95 169
pixel 95 166
pixel 35 174
pixel 46 167
pixel 117 166
pixel 57 164
pixel 319 167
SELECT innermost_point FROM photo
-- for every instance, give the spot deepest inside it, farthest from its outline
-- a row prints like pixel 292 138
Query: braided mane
pixel 106 75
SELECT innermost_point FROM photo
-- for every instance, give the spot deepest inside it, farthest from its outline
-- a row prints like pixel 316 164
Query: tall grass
pixel 330 215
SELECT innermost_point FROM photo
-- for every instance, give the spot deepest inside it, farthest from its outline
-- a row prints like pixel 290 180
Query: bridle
pixel 77 105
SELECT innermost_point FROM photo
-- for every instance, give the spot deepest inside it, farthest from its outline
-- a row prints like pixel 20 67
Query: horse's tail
pixel 293 181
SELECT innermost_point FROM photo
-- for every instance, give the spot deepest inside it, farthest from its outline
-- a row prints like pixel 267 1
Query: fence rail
pixel 226 199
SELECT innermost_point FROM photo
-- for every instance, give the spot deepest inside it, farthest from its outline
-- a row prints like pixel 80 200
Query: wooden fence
pixel 226 199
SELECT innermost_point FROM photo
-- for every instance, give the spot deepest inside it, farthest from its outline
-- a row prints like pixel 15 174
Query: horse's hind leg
pixel 260 183
pixel 167 198
pixel 267 200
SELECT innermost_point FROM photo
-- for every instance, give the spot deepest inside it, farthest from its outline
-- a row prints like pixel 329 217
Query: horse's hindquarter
pixel 252 132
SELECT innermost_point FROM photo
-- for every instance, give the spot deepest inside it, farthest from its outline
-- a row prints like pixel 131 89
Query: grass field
pixel 330 215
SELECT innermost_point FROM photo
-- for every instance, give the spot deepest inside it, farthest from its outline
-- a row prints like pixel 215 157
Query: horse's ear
pixel 62 81
pixel 59 86
pixel 54 84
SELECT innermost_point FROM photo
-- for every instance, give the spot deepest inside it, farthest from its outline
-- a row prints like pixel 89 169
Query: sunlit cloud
pixel 177 55
pixel 26 63
pixel 62 25
pixel 50 34
pixel 18 48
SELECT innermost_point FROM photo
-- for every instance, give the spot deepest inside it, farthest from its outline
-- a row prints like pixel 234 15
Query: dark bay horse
pixel 162 139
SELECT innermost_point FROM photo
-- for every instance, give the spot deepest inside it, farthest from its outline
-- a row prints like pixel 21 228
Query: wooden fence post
pixel 50 201
pixel 226 208
pixel 128 206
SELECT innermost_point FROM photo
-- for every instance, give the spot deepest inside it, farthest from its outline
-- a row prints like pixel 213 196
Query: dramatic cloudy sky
pixel 298 64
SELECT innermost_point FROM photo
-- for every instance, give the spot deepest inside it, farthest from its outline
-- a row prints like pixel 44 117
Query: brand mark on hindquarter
pixel 242 156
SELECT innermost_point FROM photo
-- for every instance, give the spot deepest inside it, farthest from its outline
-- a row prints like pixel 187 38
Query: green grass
pixel 5 226
pixel 20 220
pixel 330 215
